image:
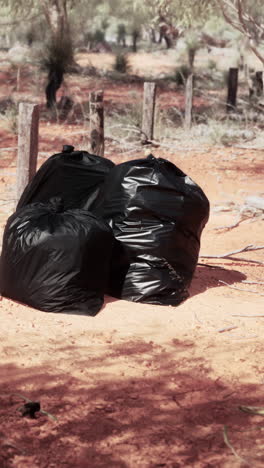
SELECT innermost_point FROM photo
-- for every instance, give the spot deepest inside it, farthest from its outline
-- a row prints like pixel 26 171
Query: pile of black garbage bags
pixel 85 227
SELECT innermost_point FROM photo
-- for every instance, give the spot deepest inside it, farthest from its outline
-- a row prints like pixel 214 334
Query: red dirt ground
pixel 140 385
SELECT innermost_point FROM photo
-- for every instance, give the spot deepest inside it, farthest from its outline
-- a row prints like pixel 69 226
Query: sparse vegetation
pixel 223 152
pixel 193 44
pixel 135 37
pixel 212 65
pixel 122 64
pixel 137 24
pixel 57 58
pixel 98 36
pixel 9 116
pixel 181 74
pixel 121 34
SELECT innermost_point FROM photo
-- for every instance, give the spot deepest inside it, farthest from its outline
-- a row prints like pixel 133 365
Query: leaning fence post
pixel 149 101
pixel 97 122
pixel 27 153
pixel 188 102
pixel 232 89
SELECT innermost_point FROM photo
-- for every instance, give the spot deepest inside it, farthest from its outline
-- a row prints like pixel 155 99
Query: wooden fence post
pixel 188 102
pixel 246 72
pixel 232 89
pixel 27 153
pixel 149 101
pixel 97 122
pixel 259 83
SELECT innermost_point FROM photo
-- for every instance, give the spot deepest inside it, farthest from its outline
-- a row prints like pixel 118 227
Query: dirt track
pixel 139 385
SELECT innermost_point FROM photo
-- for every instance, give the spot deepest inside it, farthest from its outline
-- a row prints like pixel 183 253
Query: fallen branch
pixel 243 337
pixel 155 143
pixel 230 226
pixel 229 445
pixel 245 214
pixel 252 282
pixel 240 259
pixel 54 418
pixel 222 330
pixel 240 289
pixel 131 128
pixel 211 266
pixel 252 409
pixel 247 316
pixel 248 248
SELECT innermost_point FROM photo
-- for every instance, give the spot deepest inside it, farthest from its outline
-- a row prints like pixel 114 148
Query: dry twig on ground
pixel 228 443
pixel 241 289
pixel 252 409
pixel 222 330
pixel 252 282
pixel 252 209
pixel 248 248
pixel 246 316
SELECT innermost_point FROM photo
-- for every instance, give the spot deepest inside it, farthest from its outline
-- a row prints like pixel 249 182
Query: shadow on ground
pixel 171 416
pixel 207 278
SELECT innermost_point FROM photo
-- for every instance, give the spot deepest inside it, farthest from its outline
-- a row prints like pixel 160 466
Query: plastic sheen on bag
pixel 56 260
pixel 74 176
pixel 157 214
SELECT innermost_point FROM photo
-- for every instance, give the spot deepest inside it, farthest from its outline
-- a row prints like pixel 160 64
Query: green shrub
pixel 121 34
pixel 9 115
pixel 57 54
pixel 121 64
pixel 224 80
pixel 212 65
pixel 98 36
pixel 181 74
pixel 57 60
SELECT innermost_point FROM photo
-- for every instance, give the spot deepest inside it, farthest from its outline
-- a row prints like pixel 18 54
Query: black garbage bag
pixel 157 214
pixel 56 260
pixel 75 176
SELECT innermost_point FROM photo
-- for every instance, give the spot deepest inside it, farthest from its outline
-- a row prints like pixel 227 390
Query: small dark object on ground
pixel 30 409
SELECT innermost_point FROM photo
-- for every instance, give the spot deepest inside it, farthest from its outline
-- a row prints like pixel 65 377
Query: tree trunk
pixel 55 79
pixel 232 89
pixel 135 36
pixel 56 15
pixel 168 41
pixel 55 12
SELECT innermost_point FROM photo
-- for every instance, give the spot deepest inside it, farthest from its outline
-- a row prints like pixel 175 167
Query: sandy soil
pixel 140 385
pixel 165 61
